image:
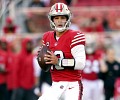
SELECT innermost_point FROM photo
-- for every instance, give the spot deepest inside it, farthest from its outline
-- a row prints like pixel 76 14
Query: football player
pixel 93 86
pixel 67 56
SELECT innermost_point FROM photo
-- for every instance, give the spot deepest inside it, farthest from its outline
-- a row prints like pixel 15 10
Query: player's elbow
pixel 79 64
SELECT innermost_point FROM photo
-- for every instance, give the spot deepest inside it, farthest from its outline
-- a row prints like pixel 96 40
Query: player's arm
pixel 77 51
pixel 78 61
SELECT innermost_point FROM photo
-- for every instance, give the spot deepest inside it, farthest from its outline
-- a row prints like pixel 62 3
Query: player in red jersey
pixel 67 56
pixel 93 86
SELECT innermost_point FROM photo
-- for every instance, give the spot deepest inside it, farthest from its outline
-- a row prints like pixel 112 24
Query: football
pixel 40 58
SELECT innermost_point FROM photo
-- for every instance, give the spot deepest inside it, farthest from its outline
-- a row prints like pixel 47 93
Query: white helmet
pixel 59 9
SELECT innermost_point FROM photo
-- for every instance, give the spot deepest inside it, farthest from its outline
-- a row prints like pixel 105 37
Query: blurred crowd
pixel 20 74
pixel 30 16
pixel 20 38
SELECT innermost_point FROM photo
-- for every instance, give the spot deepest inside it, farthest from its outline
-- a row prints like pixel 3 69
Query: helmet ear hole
pixel 66 17
pixel 52 17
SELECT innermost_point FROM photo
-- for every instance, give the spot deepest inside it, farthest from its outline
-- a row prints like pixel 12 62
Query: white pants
pixel 63 91
pixel 92 90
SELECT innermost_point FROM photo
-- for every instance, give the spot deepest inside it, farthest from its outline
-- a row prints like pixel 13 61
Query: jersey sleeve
pixel 77 38
pixel 78 49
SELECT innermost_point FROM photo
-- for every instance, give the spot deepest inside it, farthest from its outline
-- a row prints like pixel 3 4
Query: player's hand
pixel 51 58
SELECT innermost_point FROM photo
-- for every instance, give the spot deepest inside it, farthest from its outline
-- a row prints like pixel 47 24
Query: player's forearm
pixel 78 61
pixel 78 53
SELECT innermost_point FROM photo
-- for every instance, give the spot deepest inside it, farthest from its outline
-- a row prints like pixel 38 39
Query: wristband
pixel 68 62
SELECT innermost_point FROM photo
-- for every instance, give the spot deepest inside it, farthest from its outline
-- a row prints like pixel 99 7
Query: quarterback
pixel 67 56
